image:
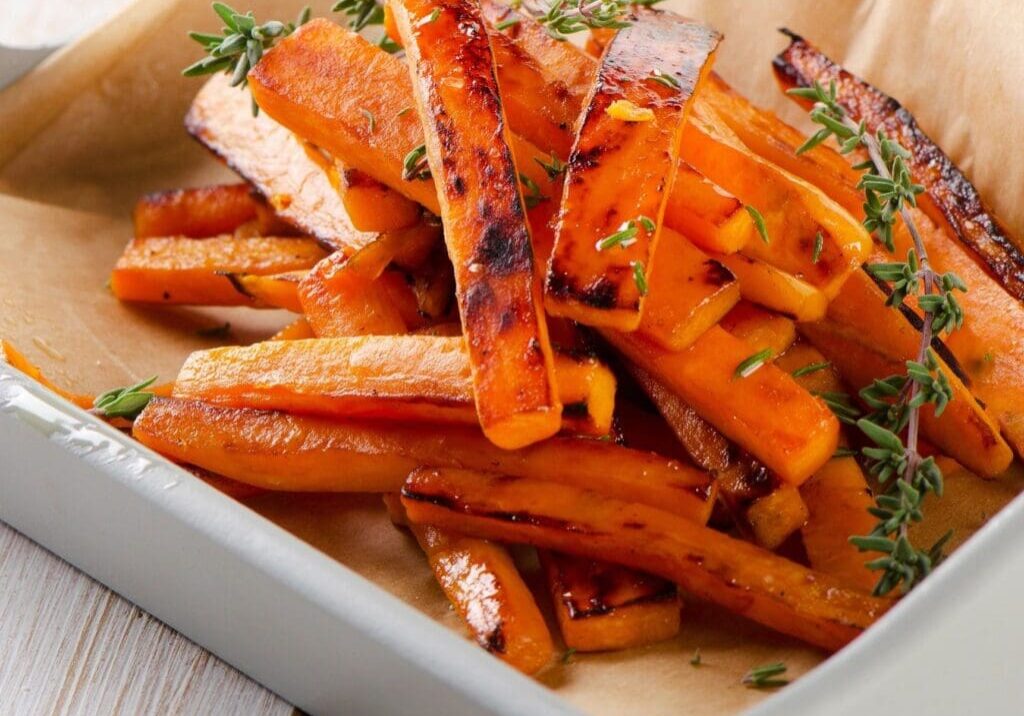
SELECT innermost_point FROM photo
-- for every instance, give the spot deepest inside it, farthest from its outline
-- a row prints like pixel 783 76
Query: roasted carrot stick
pixel 746 579
pixel 777 515
pixel 372 205
pixel 744 409
pixel 602 607
pixel 197 213
pixel 773 288
pixel 483 211
pixel 688 293
pixel 190 271
pixel 273 161
pixel 296 330
pixel 275 290
pixel 419 378
pixel 280 451
pixel 706 214
pixel 761 329
pixel 482 583
pixel 625 153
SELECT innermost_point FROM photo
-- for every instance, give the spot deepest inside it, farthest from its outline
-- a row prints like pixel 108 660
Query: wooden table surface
pixel 68 645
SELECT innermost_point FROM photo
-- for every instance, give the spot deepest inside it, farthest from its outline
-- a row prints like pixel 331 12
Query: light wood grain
pixel 68 645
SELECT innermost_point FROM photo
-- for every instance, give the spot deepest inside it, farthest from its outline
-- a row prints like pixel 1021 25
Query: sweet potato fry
pixel 949 199
pixel 189 271
pixel 273 161
pixel 625 153
pixel 760 328
pixel 688 293
pixel 767 286
pixel 744 409
pixel 746 579
pixel 482 583
pixel 280 451
pixel 196 213
pixel 483 211
pixel 417 378
pixel 275 290
pixel 866 340
pixel 602 607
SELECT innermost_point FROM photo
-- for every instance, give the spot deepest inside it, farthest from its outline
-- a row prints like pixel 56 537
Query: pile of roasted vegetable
pixel 484 238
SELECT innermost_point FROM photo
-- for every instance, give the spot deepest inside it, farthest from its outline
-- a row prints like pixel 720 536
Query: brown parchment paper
pixel 101 122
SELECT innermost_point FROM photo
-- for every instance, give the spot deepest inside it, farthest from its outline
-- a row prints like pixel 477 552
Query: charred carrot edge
pixel 274 290
pixel 953 199
pixel 760 328
pixel 626 150
pixel 175 270
pixel 604 607
pixel 743 408
pixel 195 212
pixel 16 359
pixel 748 580
pixel 406 378
pixel 273 161
pixel 484 586
pixel 280 451
pixel 482 208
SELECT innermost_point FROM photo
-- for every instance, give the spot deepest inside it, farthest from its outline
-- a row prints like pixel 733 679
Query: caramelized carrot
pixel 602 607
pixel 280 451
pixel 296 330
pixel 189 271
pixel 273 161
pixel 761 329
pixel 483 585
pixel 275 290
pixel 767 286
pixel 197 213
pixel 689 292
pixel 707 214
pixel 744 409
pixel 743 578
pixel 374 206
pixel 482 208
pixel 777 515
pixel 420 378
pixel 625 154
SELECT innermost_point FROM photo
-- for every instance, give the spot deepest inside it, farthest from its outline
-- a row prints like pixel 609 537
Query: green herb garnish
pixel 811 368
pixel 638 277
pixel 414 166
pixel 554 168
pixel 124 402
pixel 665 79
pixel 819 244
pixel 533 195
pixel 765 676
pixel 750 365
pixel 759 224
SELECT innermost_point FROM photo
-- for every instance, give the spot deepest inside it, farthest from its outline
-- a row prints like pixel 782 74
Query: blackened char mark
pixel 503 248
pixel 600 293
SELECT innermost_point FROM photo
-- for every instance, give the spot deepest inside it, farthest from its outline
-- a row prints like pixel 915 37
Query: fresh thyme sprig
pixel 553 168
pixel 532 194
pixel 361 13
pixel 766 676
pixel 240 45
pixel 124 402
pixel 906 476
pixel 562 18
pixel 414 166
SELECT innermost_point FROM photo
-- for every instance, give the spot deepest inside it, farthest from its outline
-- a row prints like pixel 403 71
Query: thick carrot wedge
pixel 296 330
pixel 706 214
pixel 767 286
pixel 780 594
pixel 418 378
pixel 689 292
pixel 484 216
pixel 866 340
pixel 297 453
pixel 760 328
pixel 949 199
pixel 275 290
pixel 189 271
pixel 602 607
pixel 625 154
pixel 274 161
pixel 744 409
pixel 14 358
pixel 374 206
pixel 777 515
pixel 197 213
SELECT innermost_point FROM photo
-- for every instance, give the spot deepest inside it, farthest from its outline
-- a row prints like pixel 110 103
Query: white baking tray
pixel 331 642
